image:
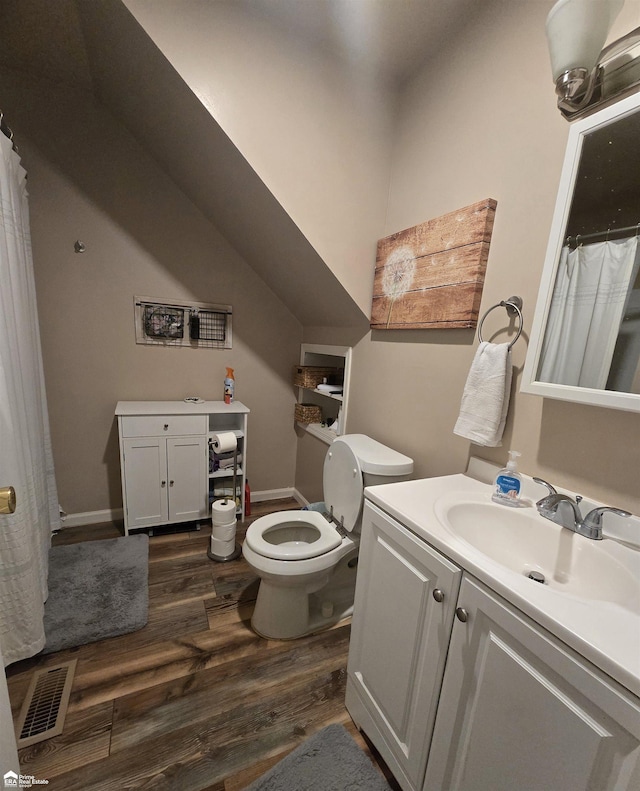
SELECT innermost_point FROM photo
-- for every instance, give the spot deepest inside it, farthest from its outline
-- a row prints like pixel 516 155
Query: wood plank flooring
pixel 195 701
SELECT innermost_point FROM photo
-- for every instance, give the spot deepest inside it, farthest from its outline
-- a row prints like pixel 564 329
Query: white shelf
pixel 227 473
pixel 320 431
pixel 238 432
pixel 335 396
pixel 329 356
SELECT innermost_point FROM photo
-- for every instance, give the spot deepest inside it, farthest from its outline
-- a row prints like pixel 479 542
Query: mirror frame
pixel 585 395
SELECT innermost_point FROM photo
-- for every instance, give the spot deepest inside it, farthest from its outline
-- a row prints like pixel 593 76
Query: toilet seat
pixel 312 535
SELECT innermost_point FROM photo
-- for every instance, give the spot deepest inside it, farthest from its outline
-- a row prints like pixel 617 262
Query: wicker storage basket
pixel 311 375
pixel 308 413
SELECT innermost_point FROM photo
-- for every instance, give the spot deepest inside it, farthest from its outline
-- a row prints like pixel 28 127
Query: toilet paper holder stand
pixel 237 551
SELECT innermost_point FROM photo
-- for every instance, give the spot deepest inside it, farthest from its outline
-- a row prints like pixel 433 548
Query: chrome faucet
pixel 565 511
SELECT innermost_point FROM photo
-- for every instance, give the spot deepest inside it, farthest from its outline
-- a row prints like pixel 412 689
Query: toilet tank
pixel 354 461
pixel 379 464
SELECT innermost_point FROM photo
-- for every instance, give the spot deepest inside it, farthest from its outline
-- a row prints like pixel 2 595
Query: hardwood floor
pixel 195 701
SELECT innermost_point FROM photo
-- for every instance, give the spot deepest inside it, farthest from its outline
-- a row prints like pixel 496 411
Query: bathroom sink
pixel 526 543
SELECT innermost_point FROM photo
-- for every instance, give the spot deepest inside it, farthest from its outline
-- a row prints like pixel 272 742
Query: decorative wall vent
pixel 45 706
pixel 165 322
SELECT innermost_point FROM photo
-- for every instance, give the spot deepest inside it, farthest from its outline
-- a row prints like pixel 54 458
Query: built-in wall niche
pixel 167 322
pixel 332 408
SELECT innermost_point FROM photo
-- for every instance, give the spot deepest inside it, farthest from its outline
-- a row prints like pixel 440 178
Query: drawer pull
pixel 438 595
pixel 166 426
pixel 462 614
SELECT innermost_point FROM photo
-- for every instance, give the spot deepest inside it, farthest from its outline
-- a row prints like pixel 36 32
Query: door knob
pixel 438 595
pixel 462 614
pixel 7 500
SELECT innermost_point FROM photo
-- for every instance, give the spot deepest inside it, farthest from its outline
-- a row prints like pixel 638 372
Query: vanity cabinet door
pixel 403 612
pixel 518 710
pixel 145 481
pixel 187 478
pixel 165 480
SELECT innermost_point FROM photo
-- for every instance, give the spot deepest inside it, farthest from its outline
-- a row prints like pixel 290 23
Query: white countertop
pixel 606 634
pixel 179 408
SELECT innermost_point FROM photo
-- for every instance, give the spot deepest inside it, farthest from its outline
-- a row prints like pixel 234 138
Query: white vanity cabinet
pixel 164 458
pixel 403 613
pixel 520 710
pixel 514 707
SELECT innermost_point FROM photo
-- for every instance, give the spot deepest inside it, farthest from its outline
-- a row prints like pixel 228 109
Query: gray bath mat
pixel 97 589
pixel 329 761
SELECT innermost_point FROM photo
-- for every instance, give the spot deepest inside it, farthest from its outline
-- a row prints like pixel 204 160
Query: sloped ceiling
pixel 100 47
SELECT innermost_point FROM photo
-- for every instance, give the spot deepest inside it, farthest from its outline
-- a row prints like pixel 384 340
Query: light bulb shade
pixel 577 31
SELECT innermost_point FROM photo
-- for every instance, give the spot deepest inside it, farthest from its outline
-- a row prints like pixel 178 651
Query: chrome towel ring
pixel 514 308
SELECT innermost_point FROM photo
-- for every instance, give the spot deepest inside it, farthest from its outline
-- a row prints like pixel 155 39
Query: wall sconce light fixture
pixel 587 76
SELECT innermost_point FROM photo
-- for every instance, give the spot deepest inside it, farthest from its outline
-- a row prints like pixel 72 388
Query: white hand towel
pixel 485 399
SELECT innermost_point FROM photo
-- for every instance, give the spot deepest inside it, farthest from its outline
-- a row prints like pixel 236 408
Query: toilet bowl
pixel 307 560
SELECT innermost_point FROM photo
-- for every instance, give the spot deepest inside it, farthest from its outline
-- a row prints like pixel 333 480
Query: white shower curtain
pixel 589 297
pixel 26 461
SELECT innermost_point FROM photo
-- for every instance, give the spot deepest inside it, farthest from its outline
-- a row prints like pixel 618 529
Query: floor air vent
pixel 45 707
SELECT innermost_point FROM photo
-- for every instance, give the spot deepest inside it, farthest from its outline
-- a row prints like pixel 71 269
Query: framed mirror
pixel 585 340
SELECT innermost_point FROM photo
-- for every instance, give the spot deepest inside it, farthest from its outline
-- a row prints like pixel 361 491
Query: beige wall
pixel 481 122
pixel 89 180
pixel 317 133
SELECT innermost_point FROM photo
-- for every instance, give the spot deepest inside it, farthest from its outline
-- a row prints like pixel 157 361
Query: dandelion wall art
pixel 431 275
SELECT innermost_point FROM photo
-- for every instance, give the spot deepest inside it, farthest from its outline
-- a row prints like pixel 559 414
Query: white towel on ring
pixel 485 399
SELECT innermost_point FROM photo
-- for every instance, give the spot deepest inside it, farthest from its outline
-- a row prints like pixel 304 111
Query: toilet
pixel 307 560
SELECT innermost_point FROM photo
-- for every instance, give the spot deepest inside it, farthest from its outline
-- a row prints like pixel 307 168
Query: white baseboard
pixel 92 517
pixel 276 494
pixel 113 514
pixel 300 498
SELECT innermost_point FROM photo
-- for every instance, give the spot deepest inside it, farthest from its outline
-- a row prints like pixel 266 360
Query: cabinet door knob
pixel 438 595
pixel 170 483
pixel 166 426
pixel 462 614
pixel 163 483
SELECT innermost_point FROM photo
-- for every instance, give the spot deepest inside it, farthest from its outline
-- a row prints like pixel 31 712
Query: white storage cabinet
pixel 164 459
pixel 458 690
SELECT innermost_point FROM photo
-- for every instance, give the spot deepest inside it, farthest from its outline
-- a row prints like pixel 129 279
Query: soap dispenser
pixel 506 489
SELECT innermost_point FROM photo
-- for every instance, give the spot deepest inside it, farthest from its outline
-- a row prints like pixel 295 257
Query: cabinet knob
pixel 163 483
pixel 166 426
pixel 438 595
pixel 170 483
pixel 462 614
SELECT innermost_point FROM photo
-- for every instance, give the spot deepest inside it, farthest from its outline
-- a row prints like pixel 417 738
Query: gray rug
pixel 97 589
pixel 329 761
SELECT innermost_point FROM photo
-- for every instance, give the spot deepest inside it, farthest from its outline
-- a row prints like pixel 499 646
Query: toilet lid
pixel 322 537
pixel 343 485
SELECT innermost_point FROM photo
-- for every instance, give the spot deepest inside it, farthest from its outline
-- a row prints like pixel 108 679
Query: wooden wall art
pixel 431 275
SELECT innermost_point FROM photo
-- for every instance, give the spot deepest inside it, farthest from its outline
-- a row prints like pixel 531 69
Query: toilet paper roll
pixel 224 441
pixel 224 532
pixel 223 512
pixel 222 549
pixel 219 523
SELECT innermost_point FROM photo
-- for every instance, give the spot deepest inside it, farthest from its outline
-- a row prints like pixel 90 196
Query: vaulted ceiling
pixel 98 48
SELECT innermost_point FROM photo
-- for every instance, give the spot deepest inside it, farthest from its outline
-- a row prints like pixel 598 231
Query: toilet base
pixel 286 613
